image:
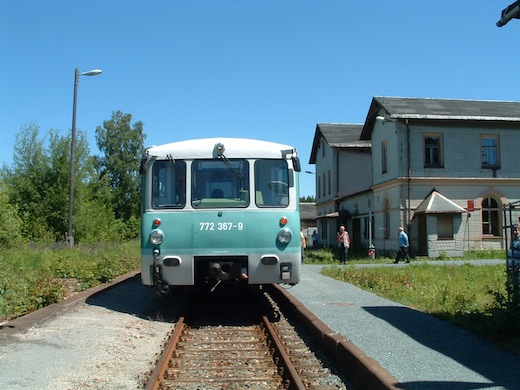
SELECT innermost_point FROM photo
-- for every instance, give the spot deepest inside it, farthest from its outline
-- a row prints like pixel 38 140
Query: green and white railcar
pixel 220 210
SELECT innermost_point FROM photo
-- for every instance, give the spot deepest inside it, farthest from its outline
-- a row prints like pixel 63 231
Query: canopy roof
pixel 436 203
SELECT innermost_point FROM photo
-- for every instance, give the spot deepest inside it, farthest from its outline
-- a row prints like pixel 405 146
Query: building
pixel 442 168
pixel 343 168
pixel 308 220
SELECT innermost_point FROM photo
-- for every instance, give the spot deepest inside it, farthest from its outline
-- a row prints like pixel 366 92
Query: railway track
pixel 230 340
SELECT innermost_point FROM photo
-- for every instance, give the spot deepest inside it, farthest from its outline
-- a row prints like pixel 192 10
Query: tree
pixel 10 223
pixel 87 212
pixel 121 144
pixel 34 190
pixel 28 183
pixel 36 186
pixel 307 199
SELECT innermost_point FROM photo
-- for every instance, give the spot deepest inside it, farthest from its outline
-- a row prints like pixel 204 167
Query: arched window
pixel 491 217
pixel 386 211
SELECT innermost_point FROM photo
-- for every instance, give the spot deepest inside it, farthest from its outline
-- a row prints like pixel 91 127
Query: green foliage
pixel 10 223
pixel 34 190
pixel 321 256
pixel 485 254
pixel 332 256
pixel 31 278
pixel 27 294
pixel 26 284
pixel 37 184
pixel 122 145
pixel 431 288
pixel 28 182
pixel 132 228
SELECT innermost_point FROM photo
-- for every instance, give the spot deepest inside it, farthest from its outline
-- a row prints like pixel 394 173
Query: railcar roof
pixel 234 148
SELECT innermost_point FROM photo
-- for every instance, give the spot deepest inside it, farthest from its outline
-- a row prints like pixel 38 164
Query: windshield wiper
pixel 231 167
pixel 177 170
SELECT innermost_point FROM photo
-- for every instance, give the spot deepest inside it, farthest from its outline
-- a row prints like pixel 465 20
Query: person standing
pixel 343 239
pixel 402 243
pixel 303 242
pixel 315 240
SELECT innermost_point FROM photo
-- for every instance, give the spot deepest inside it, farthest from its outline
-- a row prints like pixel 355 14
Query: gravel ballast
pixel 108 341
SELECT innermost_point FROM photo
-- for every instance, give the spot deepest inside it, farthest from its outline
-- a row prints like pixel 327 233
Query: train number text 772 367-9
pixel 221 226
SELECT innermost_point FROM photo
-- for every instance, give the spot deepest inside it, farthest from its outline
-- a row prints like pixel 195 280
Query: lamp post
pixel 94 72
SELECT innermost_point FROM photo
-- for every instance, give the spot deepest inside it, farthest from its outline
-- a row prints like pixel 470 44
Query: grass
pixel 331 256
pixel 32 278
pixel 471 297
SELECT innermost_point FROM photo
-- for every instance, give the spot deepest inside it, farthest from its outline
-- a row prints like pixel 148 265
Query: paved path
pixel 419 350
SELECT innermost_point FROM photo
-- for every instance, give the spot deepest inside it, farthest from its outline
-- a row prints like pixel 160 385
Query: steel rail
pixel 290 374
pixel 157 374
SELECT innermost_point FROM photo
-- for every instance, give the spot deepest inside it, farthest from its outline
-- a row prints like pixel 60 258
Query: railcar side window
pixel 222 183
pixel 271 183
pixel 169 184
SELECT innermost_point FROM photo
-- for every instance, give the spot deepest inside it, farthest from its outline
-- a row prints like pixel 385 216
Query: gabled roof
pixel 436 203
pixel 338 135
pixel 439 109
pixel 308 211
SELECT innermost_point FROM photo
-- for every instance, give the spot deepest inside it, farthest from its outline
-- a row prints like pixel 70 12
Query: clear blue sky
pixel 268 69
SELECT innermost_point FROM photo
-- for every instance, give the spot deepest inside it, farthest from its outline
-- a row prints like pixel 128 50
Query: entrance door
pixel 355 237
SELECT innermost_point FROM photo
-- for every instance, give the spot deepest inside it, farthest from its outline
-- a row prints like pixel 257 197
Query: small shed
pixel 440 227
pixel 308 219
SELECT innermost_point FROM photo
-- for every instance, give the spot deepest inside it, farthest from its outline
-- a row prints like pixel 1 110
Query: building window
pixel 490 217
pixel 384 156
pixel 319 186
pixel 433 151
pixel 445 226
pixel 329 180
pixel 490 151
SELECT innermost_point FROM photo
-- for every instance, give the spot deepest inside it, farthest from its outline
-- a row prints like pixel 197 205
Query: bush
pixel 31 278
pixel 320 256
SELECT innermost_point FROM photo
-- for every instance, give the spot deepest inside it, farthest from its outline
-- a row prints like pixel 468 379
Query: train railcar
pixel 220 210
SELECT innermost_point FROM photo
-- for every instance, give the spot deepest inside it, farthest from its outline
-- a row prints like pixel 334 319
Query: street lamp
pixel 94 72
pixel 510 12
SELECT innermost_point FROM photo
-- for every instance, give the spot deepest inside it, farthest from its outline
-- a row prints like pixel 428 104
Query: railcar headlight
pixel 284 236
pixel 156 237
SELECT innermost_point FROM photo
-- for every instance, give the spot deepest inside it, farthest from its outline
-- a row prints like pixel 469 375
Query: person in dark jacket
pixel 402 243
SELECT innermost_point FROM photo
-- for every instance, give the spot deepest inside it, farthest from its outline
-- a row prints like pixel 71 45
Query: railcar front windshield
pixel 220 183
pixel 271 183
pixel 169 184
